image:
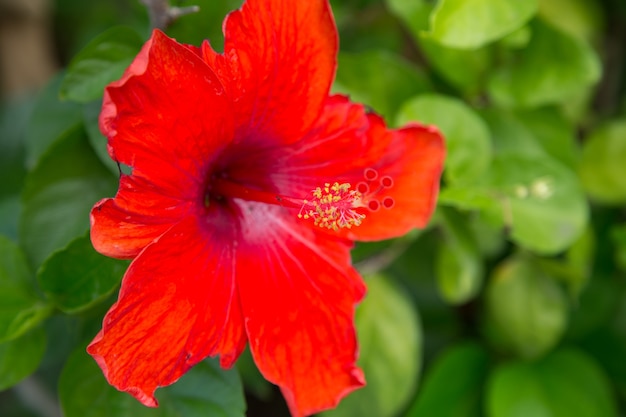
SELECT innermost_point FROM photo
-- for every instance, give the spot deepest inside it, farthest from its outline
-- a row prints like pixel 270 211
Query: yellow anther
pixel 333 207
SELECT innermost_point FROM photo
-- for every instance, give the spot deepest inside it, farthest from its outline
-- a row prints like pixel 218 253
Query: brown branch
pixel 162 14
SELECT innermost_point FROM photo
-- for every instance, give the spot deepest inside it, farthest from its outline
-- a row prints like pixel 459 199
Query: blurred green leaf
pixel 91 114
pixel 453 386
pixel 517 39
pixel 580 18
pixel 414 13
pixel 553 132
pixel 194 28
pixel 525 310
pixel 603 161
pixel 59 194
pixel 14 119
pixel 51 119
pixel 539 199
pixel 568 65
pixel 252 379
pixel 205 390
pixel 567 383
pixel 460 268
pixel 474 23
pixel 74 286
pixel 464 69
pixel 618 234
pixel 21 308
pixel 10 208
pixel 103 60
pixel 20 357
pixel 468 142
pixel 379 79
pixel 390 339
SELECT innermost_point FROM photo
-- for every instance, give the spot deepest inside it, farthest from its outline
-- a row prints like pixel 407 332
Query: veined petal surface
pixel 278 65
pixel 167 118
pixel 178 304
pixel 298 294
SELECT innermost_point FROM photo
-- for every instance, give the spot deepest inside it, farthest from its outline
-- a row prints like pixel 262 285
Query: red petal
pixel 178 304
pixel 139 214
pixel 414 160
pixel 167 117
pixel 298 292
pixel 342 145
pixel 278 66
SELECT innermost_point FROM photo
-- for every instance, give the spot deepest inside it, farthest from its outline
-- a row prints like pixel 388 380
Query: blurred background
pixel 512 303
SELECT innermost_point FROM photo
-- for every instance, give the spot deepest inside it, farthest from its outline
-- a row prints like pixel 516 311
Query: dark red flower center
pixel 332 205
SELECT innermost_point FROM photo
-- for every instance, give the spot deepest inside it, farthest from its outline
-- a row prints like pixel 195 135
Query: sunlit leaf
pixel 468 142
pixel 473 23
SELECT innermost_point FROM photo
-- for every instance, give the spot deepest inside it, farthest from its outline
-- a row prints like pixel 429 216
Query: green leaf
pixel 51 119
pixel 103 60
pixel 525 310
pixel 567 383
pixel 538 198
pixel 569 66
pixel 452 387
pixel 468 141
pixel 205 390
pixel 541 200
pixel 14 119
pixel 390 339
pixel 460 268
pixel 464 69
pixel 59 194
pixel 91 114
pixel 618 236
pixel 553 132
pixel 603 161
pixel 580 18
pixel 10 208
pixel 20 308
pixel 474 23
pixel 77 276
pixel 20 357
pixel 380 79
pixel 414 13
pixel 195 28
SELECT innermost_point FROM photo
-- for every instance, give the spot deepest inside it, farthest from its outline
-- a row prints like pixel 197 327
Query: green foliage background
pixel 512 303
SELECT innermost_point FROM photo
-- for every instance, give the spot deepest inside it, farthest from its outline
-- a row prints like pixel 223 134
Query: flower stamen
pixel 333 207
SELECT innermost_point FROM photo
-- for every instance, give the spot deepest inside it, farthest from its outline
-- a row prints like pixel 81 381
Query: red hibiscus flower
pixel 249 186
